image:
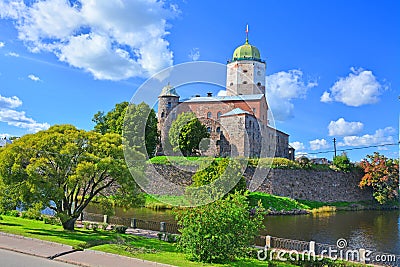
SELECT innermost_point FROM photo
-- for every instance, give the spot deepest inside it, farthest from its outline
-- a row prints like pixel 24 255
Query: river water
pixel 375 230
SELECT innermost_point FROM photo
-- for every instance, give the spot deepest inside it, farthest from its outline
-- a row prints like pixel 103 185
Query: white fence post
pixel 268 241
pixel 312 248
pixel 362 255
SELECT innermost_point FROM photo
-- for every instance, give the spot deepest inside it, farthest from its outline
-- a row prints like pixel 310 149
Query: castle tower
pixel 246 71
pixel 167 101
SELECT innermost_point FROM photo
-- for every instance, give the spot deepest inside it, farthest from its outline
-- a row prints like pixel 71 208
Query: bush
pixel 220 231
pixel 216 180
pixel 95 226
pixel 86 225
pixel 342 163
pixel 1 218
pixel 13 213
pixel 104 226
pixel 121 229
pixel 51 220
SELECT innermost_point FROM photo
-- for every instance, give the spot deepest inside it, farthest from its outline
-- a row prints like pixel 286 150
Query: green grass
pixel 276 203
pixel 107 241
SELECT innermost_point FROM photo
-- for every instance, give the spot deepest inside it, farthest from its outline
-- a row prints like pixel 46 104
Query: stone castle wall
pixel 325 186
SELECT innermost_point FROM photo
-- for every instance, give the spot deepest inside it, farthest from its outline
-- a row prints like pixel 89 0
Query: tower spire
pixel 247 33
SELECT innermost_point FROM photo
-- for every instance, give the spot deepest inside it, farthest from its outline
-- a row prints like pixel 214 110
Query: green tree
pixel 382 175
pixel 220 231
pixel 67 167
pixel 186 133
pixel 138 124
pixel 342 162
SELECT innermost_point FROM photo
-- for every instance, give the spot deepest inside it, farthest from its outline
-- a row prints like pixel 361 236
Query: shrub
pixel 342 163
pixel 13 213
pixel 86 225
pixel 220 231
pixel 104 226
pixel 51 220
pixel 1 218
pixel 121 229
pixel 95 226
pixel 217 179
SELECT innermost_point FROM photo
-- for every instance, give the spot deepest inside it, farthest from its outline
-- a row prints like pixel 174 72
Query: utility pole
pixel 334 145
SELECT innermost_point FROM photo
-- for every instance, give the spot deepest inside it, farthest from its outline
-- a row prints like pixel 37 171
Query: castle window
pixel 209 115
pixel 218 129
pixel 244 82
pixel 258 84
pixel 219 114
pixel 209 129
pixel 162 114
pixel 231 84
pixel 244 71
pixel 169 105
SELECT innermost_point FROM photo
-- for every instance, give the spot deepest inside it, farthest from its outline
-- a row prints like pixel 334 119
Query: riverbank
pixel 277 205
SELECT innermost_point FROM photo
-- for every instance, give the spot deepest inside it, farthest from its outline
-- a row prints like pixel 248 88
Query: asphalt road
pixel 15 259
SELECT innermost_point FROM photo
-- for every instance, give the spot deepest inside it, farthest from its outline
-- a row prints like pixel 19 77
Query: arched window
pixel 219 114
pixel 218 129
pixel 162 114
pixel 231 84
pixel 209 115
pixel 209 129
pixel 245 82
pixel 258 84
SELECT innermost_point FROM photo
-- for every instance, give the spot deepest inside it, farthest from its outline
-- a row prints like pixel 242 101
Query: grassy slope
pixel 107 241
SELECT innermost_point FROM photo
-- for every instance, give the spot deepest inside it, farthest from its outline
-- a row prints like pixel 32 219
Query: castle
pixel 238 122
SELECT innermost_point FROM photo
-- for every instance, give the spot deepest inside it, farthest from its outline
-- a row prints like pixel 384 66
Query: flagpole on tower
pixel 247 33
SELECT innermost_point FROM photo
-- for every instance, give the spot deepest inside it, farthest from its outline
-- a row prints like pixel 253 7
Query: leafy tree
pixel 220 231
pixel 228 170
pixel 67 167
pixel 138 124
pixel 382 174
pixel 342 162
pixel 186 133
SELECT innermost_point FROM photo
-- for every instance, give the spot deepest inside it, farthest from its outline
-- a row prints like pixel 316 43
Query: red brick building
pixel 237 122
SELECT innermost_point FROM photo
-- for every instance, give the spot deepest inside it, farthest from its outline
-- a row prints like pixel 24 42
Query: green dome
pixel 246 52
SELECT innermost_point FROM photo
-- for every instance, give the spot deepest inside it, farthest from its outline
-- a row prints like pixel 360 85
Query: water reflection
pixel 377 230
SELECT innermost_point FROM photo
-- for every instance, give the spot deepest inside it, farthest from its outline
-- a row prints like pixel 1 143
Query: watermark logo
pixel 340 252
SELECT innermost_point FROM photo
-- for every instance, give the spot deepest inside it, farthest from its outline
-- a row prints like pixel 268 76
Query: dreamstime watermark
pixel 340 252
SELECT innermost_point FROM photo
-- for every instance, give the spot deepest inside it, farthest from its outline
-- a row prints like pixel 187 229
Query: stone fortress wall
pixel 324 186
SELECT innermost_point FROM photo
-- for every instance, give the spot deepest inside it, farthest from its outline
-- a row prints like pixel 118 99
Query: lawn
pixel 108 241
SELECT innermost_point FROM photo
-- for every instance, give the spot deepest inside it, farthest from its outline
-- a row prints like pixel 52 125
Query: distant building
pixel 237 122
pixel 4 141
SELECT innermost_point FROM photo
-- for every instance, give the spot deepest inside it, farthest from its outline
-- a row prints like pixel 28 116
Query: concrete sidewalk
pixel 46 249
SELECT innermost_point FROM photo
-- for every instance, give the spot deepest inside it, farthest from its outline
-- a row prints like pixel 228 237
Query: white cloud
pixel 380 137
pixel 319 144
pixel 194 54
pixel 360 87
pixel 222 93
pixel 112 40
pixel 12 117
pixel 281 88
pixel 20 120
pixel 34 78
pixel 9 102
pixel 2 44
pixel 12 54
pixel 297 145
pixel 5 135
pixel 343 128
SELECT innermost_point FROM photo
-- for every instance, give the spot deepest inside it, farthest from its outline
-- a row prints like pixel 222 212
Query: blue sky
pixel 332 66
